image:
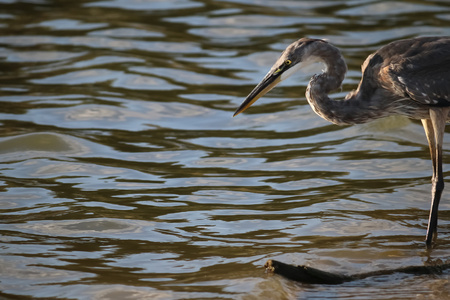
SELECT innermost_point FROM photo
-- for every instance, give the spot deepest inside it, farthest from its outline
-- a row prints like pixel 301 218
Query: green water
pixel 124 176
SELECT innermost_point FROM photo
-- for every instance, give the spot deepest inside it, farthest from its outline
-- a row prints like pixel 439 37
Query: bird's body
pixel 408 77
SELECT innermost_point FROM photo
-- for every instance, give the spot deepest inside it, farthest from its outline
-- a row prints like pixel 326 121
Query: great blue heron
pixel 408 77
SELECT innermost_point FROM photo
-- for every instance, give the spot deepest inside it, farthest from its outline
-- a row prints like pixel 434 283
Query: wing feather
pixel 422 72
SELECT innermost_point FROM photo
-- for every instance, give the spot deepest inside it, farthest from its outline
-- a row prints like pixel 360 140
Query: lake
pixel 125 176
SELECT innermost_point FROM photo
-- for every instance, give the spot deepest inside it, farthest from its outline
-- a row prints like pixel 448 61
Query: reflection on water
pixel 123 174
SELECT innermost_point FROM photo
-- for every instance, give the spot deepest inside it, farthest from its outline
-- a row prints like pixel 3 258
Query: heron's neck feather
pixel 353 109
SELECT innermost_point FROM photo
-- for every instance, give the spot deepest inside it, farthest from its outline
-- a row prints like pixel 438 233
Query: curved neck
pixel 345 112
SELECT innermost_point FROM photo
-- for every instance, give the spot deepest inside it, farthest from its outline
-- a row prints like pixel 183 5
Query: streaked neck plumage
pixel 353 109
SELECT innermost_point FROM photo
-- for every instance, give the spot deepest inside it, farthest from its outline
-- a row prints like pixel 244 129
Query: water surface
pixel 124 176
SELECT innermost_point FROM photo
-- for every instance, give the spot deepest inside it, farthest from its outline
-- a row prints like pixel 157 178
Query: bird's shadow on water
pixel 310 275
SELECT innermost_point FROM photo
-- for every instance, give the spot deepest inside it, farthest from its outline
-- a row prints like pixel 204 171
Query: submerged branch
pixel 312 275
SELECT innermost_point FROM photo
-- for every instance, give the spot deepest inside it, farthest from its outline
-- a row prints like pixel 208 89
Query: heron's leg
pixel 435 135
pixel 429 131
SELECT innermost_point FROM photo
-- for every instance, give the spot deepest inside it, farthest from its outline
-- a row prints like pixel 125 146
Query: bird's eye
pixel 286 63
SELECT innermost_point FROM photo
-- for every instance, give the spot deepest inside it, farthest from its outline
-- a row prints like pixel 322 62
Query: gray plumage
pixel 408 77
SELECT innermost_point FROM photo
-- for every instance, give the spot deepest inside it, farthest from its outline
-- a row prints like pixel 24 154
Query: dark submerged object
pixel 312 275
pixel 408 77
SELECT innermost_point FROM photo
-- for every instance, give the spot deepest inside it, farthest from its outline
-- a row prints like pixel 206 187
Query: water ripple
pixel 123 174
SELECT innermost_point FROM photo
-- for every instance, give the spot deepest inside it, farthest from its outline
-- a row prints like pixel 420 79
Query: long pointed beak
pixel 268 83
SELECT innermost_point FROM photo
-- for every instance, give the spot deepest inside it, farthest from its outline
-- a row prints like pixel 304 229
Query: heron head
pixel 296 56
